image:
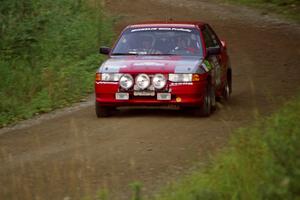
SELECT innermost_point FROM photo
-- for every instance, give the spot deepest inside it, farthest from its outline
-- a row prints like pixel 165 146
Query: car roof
pixel 182 24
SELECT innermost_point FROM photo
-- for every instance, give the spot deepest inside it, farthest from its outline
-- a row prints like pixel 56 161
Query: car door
pixel 217 61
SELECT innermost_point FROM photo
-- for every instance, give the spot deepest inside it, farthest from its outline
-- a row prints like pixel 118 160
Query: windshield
pixel 159 41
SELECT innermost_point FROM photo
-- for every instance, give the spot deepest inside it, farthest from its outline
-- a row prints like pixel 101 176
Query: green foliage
pixel 48 54
pixel 102 194
pixel 136 187
pixel 261 162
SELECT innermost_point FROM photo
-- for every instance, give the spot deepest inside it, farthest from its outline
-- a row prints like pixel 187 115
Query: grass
pixel 261 162
pixel 48 54
pixel 288 8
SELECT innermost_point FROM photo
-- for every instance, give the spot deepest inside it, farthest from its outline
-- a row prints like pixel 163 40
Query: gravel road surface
pixel 70 153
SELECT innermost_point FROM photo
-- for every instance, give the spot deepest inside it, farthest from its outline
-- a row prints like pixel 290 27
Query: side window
pixel 207 38
pixel 210 38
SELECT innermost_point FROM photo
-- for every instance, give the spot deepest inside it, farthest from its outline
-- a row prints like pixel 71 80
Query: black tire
pixel 228 86
pixel 213 98
pixel 209 103
pixel 229 78
pixel 102 111
pixel 226 91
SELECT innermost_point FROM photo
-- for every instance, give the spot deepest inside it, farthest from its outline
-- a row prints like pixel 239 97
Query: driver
pixel 147 46
pixel 147 43
pixel 183 45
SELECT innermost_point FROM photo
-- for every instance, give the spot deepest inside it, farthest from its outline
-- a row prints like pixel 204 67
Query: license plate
pixel 163 96
pixel 144 93
pixel 122 96
pixel 150 88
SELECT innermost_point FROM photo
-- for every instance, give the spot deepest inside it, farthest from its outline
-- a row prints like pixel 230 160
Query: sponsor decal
pixel 206 65
pixel 148 64
pixel 162 29
pixel 176 84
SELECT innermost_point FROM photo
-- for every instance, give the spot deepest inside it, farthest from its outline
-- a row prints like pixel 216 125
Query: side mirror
pixel 104 50
pixel 213 51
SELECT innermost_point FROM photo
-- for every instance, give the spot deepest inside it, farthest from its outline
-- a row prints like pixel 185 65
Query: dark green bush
pixel 48 53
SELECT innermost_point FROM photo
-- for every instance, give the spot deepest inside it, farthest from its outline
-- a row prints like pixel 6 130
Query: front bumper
pixel 182 94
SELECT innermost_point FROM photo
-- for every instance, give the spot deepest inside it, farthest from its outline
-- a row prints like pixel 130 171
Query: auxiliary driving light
pixel 159 81
pixel 126 81
pixel 142 81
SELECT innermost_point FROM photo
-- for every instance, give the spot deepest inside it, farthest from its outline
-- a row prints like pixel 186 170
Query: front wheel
pixel 209 102
pixel 226 92
pixel 102 111
pixel 228 86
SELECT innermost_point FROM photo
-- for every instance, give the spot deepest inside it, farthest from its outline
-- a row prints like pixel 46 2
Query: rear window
pixel 159 41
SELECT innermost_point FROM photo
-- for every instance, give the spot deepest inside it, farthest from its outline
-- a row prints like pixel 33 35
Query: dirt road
pixel 70 154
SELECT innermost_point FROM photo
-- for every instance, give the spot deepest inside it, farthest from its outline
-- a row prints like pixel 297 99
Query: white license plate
pixel 122 96
pixel 163 96
pixel 143 93
pixel 150 88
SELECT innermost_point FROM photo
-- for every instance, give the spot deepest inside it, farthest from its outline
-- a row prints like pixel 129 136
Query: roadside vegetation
pixel 260 162
pixel 48 53
pixel 288 8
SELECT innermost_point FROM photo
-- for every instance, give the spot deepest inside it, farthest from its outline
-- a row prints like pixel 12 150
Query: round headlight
pixel 159 81
pixel 126 81
pixel 142 81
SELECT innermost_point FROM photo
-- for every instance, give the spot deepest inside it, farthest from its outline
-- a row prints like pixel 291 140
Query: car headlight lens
pixel 126 81
pixel 142 81
pixel 113 77
pixel 159 81
pixel 181 77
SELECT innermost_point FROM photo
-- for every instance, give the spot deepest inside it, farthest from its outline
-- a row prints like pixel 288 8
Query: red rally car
pixel 164 63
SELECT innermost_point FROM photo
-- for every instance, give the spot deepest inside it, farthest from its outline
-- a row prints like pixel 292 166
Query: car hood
pixel 151 64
